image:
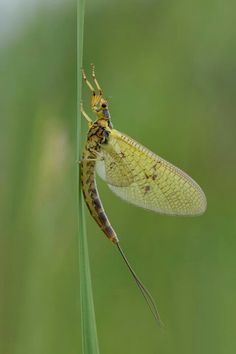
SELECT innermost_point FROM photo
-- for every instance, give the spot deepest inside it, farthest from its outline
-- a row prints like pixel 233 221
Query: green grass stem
pixel 88 322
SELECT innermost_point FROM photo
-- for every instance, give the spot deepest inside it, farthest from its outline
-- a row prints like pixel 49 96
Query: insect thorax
pixel 99 133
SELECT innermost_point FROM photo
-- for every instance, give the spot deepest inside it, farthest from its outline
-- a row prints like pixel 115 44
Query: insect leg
pixel 80 161
pixel 95 98
pixel 89 120
pixel 95 80
pixel 97 157
pixel 88 83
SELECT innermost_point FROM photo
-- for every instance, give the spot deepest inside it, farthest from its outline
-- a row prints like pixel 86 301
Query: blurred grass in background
pixel 168 70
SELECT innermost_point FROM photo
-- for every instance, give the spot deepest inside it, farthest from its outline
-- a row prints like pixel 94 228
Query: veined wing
pixel 113 168
pixel 140 177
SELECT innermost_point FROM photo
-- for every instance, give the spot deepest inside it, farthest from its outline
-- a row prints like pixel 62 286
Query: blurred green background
pixel 168 70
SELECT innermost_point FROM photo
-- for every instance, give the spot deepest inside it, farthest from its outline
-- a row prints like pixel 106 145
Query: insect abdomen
pixel 92 198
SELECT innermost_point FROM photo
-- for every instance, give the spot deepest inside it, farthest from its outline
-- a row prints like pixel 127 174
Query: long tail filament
pixel 146 294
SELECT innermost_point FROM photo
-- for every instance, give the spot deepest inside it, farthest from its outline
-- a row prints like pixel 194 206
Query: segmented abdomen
pixel 91 195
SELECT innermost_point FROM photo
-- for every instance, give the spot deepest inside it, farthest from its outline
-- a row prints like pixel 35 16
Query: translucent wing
pixel 113 168
pixel 142 178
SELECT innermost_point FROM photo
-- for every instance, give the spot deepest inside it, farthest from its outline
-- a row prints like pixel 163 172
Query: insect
pixel 134 173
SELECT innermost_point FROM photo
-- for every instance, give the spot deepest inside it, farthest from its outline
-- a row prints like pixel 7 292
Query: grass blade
pixel 88 322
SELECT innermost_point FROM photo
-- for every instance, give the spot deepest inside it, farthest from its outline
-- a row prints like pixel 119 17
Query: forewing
pixel 142 178
pixel 113 168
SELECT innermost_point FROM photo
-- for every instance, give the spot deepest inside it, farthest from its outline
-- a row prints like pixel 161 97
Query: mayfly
pixel 134 173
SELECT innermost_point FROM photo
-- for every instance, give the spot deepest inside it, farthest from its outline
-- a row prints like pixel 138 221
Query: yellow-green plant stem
pixel 88 322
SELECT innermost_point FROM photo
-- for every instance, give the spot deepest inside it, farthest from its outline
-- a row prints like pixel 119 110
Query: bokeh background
pixel 168 70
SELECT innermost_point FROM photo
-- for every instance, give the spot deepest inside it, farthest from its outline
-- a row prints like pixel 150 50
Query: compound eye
pixel 104 105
